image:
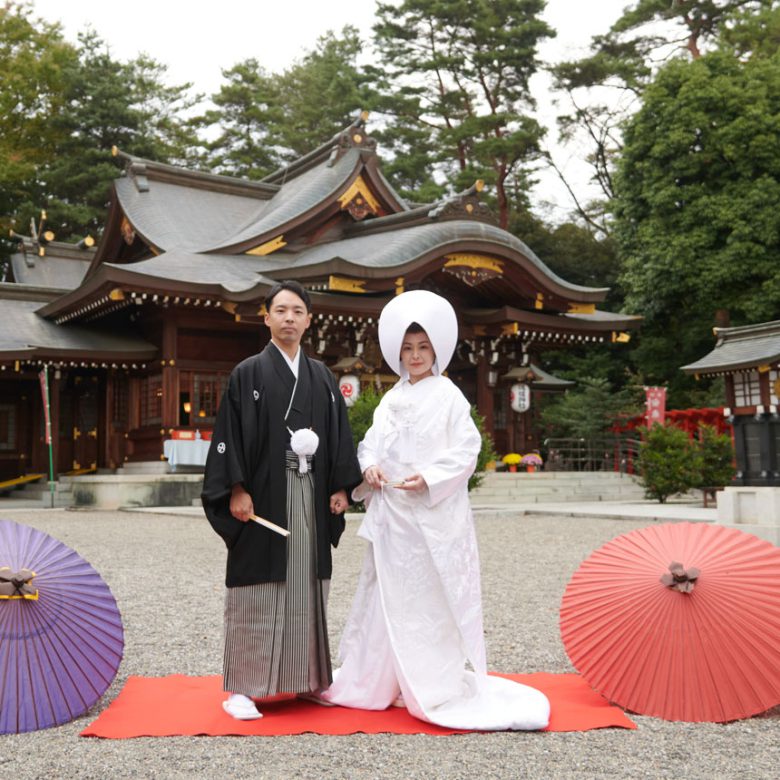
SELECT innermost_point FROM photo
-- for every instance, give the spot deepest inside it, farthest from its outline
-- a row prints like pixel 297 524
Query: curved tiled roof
pixel 740 348
pixel 233 273
pixel 176 216
pixel 295 198
pixel 385 250
pixel 50 271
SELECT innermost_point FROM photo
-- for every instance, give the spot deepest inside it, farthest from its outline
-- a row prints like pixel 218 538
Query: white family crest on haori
pixel 221 448
pixel 304 442
pixel 433 313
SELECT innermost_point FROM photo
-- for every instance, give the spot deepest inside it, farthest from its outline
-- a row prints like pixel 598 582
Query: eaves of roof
pixel 742 348
pixel 377 254
pixel 599 322
pixel 27 335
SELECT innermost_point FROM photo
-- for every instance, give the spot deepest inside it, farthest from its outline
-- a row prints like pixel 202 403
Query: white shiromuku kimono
pixel 416 621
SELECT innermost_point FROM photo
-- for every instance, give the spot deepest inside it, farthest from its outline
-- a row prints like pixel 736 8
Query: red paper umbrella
pixel 700 642
pixel 61 635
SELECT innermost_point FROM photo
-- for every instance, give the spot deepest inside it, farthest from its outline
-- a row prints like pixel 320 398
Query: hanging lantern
pixel 349 385
pixel 520 397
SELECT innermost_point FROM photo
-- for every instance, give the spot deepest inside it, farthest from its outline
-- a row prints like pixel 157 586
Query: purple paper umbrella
pixel 61 635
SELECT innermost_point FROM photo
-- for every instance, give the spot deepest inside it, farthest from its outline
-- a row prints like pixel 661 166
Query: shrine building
pixel 748 358
pixel 138 335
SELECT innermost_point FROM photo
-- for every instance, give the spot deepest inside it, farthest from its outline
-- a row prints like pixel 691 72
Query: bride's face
pixel 417 356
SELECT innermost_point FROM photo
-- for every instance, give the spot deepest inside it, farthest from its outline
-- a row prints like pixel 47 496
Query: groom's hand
pixel 339 502
pixel 241 505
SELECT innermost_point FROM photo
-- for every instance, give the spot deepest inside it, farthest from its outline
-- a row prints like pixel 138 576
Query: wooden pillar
pixel 104 420
pixel 484 393
pixel 170 376
pixel 55 385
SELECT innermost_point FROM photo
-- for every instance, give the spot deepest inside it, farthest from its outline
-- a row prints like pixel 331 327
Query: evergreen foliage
pixel 459 72
pixel 669 462
pixel 716 458
pixel 487 452
pixel 590 410
pixel 62 109
pixel 698 208
pixel 361 413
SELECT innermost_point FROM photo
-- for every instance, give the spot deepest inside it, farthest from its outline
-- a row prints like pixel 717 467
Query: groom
pixel 276 637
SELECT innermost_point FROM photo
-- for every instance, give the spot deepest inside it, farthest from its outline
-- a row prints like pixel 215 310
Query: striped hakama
pixel 276 635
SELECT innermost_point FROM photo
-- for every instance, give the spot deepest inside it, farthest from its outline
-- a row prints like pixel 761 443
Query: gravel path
pixel 167 573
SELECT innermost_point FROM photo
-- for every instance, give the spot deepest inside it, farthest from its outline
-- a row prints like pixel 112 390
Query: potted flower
pixel 531 461
pixel 511 460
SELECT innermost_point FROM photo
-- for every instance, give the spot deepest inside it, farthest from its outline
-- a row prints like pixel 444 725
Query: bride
pixel 414 635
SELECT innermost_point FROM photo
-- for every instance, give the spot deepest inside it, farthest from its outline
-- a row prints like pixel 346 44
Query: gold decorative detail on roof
pixel 477 262
pixel 621 338
pixel 399 285
pixel 473 269
pixel 582 308
pixel 127 231
pixel 763 369
pixel 116 294
pixel 539 302
pixel 267 247
pixel 229 306
pixel 342 284
pixel 359 200
pixel 510 329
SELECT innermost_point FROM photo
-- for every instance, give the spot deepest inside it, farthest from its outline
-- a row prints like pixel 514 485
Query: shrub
pixel 716 458
pixel 486 453
pixel 670 463
pixel 361 413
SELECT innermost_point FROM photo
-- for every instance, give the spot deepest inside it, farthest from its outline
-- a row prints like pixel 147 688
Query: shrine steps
pixel 504 488
pixel 120 490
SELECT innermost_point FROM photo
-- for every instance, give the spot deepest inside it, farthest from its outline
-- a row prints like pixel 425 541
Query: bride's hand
pixel 414 484
pixel 375 477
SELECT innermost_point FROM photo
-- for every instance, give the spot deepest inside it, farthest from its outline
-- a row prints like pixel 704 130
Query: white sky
pixel 198 40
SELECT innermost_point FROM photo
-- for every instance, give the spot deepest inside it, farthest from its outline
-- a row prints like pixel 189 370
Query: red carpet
pixel 191 706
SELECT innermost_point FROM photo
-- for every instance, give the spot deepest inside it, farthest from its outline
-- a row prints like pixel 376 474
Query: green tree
pixel 697 207
pixel 265 119
pixel 320 94
pixel 590 410
pixel 247 110
pixel 669 462
pixel 459 72
pixel 33 56
pixel 105 103
pixel 624 60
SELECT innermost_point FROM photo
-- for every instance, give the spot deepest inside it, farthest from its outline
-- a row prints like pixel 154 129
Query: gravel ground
pixel 166 573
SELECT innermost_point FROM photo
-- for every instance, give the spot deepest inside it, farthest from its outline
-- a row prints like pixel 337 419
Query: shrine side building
pixel 138 335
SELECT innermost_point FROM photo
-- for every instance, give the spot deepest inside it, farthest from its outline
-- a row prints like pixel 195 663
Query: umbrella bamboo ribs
pixel 696 644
